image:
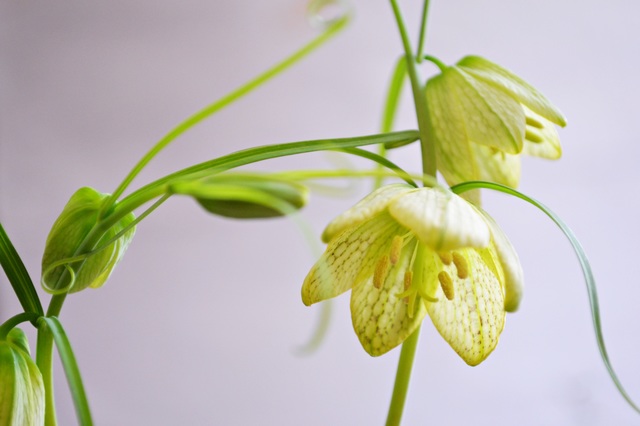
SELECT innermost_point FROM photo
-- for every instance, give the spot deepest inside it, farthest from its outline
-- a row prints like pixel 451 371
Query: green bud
pixel 245 196
pixel 21 385
pixel 69 231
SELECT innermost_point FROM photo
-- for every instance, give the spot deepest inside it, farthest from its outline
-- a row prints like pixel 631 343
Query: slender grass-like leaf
pixel 589 278
pixel 71 370
pixel 18 275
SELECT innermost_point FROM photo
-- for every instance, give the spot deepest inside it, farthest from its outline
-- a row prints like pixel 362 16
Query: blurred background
pixel 201 322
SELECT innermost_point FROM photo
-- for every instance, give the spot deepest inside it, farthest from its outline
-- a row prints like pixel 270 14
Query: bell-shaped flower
pixel 482 116
pixel 21 385
pixel 77 219
pixel 406 252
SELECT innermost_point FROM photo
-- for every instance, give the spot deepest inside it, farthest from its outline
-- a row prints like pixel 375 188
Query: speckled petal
pixel 510 263
pixel 547 144
pixel 379 318
pixel 441 220
pixel 350 258
pixel 454 154
pixel 510 83
pixel 491 117
pixel 365 209
pixel 472 321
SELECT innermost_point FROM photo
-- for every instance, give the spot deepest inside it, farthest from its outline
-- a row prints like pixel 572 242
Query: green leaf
pixel 71 370
pixel 589 278
pixel 253 155
pixel 66 266
pixel 18 275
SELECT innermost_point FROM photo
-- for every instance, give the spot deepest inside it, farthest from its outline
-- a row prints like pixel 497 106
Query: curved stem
pixel 12 322
pixel 221 103
pixel 403 375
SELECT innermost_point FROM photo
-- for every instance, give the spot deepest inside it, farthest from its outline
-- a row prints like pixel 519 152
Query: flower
pixel 481 116
pixel 407 252
pixel 21 385
pixel 77 219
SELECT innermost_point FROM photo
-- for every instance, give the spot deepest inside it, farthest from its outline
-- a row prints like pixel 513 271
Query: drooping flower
pixel 407 252
pixel 482 117
pixel 68 232
pixel 21 385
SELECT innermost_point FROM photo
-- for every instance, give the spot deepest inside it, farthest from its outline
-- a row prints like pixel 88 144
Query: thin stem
pixel 221 103
pixel 44 360
pixel 403 376
pixel 423 30
pixel 428 150
pixel 429 168
pixel 12 322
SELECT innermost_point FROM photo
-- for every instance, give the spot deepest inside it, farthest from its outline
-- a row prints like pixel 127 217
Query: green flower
pixel 407 252
pixel 482 117
pixel 21 386
pixel 74 224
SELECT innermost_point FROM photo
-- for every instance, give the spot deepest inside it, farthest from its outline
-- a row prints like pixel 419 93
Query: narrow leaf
pixel 18 275
pixel 71 370
pixel 589 278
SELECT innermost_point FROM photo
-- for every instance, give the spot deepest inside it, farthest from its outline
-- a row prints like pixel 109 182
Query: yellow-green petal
pixel 510 263
pixel 472 321
pixel 547 142
pixel 446 128
pixel 380 319
pixel 441 220
pixel 491 117
pixel 21 385
pixel 510 83
pixel 350 258
pixel 364 209
pixel 496 166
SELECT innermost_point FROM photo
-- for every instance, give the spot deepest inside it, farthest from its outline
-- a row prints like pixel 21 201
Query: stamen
pixel 408 279
pixel 461 265
pixel 445 257
pixel 381 271
pixel 533 122
pixel 533 135
pixel 447 285
pixel 396 247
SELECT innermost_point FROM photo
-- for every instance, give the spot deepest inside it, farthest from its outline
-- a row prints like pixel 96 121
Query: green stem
pixel 403 376
pixel 423 30
pixel 429 168
pixel 428 150
pixel 44 360
pixel 12 322
pixel 221 103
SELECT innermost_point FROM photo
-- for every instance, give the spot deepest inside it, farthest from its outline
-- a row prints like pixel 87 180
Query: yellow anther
pixel 381 271
pixel 408 279
pixel 445 257
pixel 461 265
pixel 533 135
pixel 447 285
pixel 533 122
pixel 396 247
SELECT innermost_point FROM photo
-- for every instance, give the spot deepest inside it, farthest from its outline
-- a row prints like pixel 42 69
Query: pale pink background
pixel 200 323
